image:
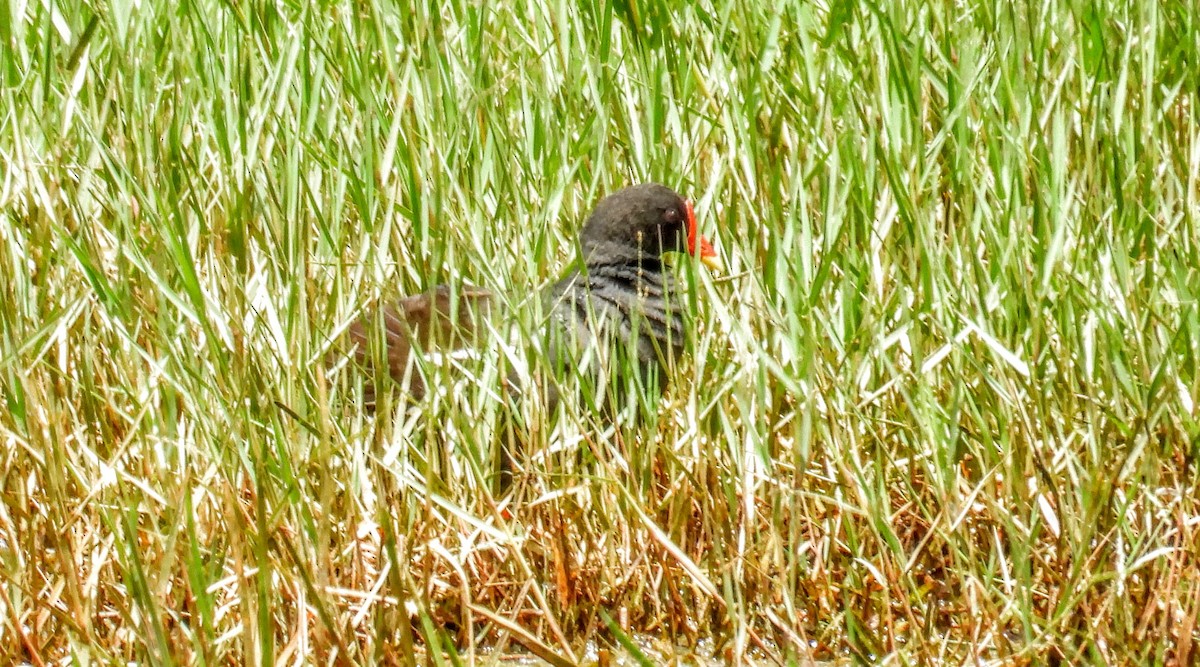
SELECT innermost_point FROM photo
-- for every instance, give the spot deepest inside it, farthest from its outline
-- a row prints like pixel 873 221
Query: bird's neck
pixel 608 253
pixel 638 288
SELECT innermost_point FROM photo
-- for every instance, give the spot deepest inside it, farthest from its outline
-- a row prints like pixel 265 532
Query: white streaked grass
pixel 941 407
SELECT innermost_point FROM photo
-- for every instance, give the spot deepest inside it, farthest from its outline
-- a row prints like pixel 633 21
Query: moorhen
pixel 620 303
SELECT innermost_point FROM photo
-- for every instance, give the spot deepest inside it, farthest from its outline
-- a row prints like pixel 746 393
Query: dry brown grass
pixel 941 409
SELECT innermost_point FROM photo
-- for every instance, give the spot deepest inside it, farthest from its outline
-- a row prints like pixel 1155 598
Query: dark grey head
pixel 641 223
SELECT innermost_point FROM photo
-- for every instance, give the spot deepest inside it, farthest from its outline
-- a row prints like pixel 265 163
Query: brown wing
pixel 438 320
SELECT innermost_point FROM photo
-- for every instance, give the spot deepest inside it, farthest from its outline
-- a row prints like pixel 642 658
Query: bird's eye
pixel 671 216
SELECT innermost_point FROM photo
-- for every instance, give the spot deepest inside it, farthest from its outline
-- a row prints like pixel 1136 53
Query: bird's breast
pixel 635 309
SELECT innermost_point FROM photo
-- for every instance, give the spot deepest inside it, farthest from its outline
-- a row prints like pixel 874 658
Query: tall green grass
pixel 940 408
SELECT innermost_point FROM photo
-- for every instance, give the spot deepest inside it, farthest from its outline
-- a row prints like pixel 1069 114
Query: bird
pixel 617 309
pixel 622 309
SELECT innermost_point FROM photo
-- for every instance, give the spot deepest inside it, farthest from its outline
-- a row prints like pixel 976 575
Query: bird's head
pixel 644 222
